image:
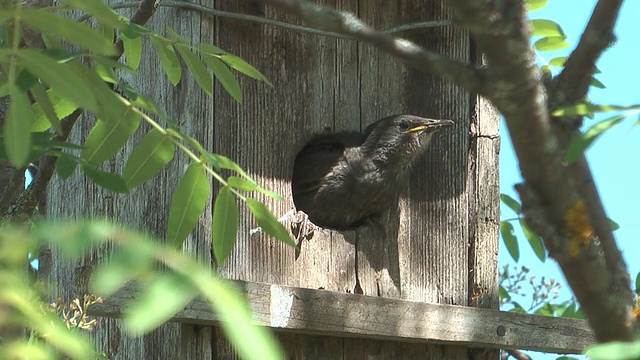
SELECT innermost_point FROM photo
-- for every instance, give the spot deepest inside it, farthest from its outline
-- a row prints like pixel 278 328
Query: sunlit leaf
pixel 559 61
pixel 61 106
pixel 69 30
pixel 236 317
pixel 74 240
pixel 511 203
pixel 244 67
pixel 132 50
pixel 158 302
pixel 224 227
pixel 638 284
pixel 107 138
pixel 42 101
pixel 224 75
pixel 587 109
pixel 241 184
pixel 168 58
pixel 154 151
pixel 582 142
pixel 535 241
pixel 268 222
pixel 551 43
pixel 188 204
pixel 198 70
pixel 536 4
pixel 128 263
pixel 17 128
pixel 614 351
pixel 548 28
pixel 510 241
pixel 223 162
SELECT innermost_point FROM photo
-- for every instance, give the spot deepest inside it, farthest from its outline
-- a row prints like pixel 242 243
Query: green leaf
pixel 132 261
pixel 60 77
pixel 511 203
pixel 614 225
pixel 75 240
pixel 110 181
pixel 235 316
pixel 504 294
pixel 547 28
pixel 154 151
pixel 268 222
pixel 168 58
pixel 158 302
pixel 614 351
pixel 570 311
pixel 536 4
pixel 61 106
pixel 98 10
pixel 66 165
pixel 17 128
pixel 535 241
pixel 106 138
pixel 597 83
pixel 242 184
pixel 510 241
pixel 638 284
pixel 132 50
pixel 133 30
pixel 588 109
pixel 244 67
pixel 551 43
pixel 199 71
pixel 559 61
pixel 68 30
pixel 224 75
pixel 224 228
pixel 223 162
pixel 211 49
pixel 580 144
pixel 42 101
pixel 189 202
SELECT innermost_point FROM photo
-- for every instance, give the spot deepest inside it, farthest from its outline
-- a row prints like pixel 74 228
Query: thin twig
pixel 573 82
pixel 261 20
pixel 324 18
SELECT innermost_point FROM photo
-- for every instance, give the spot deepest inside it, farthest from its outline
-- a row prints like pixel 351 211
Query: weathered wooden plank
pixel 322 312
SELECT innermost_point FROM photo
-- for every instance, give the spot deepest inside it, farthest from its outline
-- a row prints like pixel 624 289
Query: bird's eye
pixel 404 126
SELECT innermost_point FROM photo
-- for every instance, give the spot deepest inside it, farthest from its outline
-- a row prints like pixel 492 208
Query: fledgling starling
pixel 342 180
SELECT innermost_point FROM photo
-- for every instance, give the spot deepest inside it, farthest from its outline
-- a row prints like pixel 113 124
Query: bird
pixel 344 180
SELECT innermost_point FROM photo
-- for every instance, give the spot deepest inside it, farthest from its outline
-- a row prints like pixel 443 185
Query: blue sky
pixel 613 158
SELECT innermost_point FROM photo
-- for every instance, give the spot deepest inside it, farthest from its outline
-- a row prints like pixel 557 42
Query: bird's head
pixel 401 137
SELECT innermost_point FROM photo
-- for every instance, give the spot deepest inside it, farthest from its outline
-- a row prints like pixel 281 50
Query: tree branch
pixel 325 18
pixel 554 192
pixel 145 11
pixel 572 84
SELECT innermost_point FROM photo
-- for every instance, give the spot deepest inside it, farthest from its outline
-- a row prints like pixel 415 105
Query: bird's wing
pixel 317 160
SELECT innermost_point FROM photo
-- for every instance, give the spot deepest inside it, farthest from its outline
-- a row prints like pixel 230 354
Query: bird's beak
pixel 429 125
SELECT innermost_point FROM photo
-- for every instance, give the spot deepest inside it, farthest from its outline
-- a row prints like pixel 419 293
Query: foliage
pixel 46 87
pixel 161 294
pixel 61 81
